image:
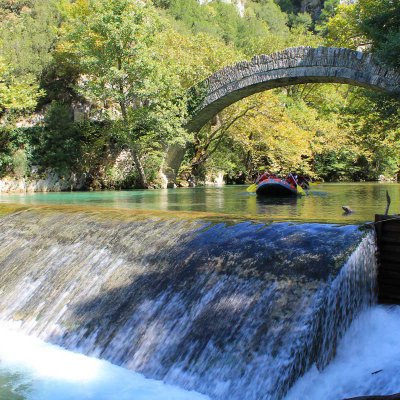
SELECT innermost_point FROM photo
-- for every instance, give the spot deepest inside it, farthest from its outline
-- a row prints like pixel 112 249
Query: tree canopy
pixel 82 82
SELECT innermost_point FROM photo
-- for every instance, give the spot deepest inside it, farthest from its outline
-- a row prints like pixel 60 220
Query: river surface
pixel 323 203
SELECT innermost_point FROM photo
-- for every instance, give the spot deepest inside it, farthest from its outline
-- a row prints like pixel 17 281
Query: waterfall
pixel 235 310
pixel 367 362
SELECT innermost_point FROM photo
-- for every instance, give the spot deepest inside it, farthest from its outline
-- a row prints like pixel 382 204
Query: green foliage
pixel 208 18
pixel 222 20
pixel 270 13
pixel 131 63
pixel 113 42
pixel 13 142
pixel 381 23
pixel 20 163
pixel 289 6
pixel 375 121
pixel 301 20
pixel 336 165
pixel 16 95
pixel 373 24
pixel 28 31
pixel 61 140
pixel 110 40
pixel 329 10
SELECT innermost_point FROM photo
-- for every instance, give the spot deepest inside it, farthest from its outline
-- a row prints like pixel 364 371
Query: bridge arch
pixel 288 67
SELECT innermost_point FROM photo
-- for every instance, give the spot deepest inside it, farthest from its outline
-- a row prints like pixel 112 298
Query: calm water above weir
pixel 323 203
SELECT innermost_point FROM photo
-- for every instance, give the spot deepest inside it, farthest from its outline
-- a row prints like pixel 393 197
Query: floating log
pixel 347 210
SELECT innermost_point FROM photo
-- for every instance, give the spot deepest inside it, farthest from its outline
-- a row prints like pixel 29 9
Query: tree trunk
pixel 135 154
pixel 249 156
pixel 140 170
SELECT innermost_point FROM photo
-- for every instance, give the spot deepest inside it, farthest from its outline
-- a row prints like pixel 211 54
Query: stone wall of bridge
pixel 289 67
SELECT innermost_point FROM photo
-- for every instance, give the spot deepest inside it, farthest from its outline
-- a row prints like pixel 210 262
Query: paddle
pixel 252 188
pixel 300 190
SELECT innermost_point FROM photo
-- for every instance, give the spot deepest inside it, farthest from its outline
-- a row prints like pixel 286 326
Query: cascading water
pixel 236 311
pixel 367 362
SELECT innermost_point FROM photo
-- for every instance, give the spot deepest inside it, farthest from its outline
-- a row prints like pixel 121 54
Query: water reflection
pixel 267 205
pixel 323 203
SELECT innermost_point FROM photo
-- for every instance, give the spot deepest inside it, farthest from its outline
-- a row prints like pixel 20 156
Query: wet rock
pixel 347 210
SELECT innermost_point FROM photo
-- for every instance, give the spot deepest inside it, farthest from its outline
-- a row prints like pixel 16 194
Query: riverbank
pixel 54 183
pixel 49 183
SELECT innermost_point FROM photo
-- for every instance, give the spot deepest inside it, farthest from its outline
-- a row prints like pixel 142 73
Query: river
pixel 323 203
pixel 224 294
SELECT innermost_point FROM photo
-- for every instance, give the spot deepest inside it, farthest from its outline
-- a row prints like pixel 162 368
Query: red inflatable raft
pixel 276 187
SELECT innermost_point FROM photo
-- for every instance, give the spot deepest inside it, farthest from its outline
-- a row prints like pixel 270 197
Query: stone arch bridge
pixel 288 67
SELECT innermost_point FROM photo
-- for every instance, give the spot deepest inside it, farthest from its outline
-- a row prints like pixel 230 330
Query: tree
pixel 113 43
pixel 373 25
pixel 28 32
pixel 17 95
pixel 379 21
pixel 261 130
pixel 374 122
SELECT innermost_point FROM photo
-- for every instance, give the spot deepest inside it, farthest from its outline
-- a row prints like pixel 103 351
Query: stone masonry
pixel 289 67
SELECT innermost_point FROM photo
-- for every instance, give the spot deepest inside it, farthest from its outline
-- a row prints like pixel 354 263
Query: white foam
pixel 371 344
pixel 51 372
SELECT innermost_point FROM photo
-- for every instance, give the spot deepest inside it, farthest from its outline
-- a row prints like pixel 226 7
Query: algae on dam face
pixel 233 310
pixel 6 209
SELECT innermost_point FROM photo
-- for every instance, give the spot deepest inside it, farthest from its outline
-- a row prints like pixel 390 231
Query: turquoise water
pixel 33 370
pixel 323 203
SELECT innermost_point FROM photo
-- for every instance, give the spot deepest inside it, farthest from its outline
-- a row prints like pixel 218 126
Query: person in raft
pixel 264 175
pixel 291 180
pixel 300 180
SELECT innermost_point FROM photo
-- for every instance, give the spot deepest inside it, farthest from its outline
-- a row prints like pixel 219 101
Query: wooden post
pixel 388 241
pixel 388 203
